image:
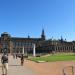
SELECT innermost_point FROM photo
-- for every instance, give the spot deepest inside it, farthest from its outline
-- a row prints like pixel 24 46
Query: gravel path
pixel 52 68
pixel 16 69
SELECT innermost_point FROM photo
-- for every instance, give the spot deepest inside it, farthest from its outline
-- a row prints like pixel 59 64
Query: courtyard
pixel 32 67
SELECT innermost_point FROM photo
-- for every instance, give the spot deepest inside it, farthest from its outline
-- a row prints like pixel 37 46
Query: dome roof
pixel 5 33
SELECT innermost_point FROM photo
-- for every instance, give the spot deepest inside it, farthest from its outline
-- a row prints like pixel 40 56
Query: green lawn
pixel 57 57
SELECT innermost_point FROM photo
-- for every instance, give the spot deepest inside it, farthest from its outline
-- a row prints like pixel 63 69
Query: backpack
pixel 4 59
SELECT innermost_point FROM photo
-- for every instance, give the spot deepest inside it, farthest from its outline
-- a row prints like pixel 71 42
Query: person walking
pixel 22 60
pixel 4 61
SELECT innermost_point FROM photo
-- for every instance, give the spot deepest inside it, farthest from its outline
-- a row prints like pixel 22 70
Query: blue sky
pixel 22 17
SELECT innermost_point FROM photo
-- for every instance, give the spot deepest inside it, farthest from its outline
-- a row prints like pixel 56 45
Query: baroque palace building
pixel 17 44
pixel 11 44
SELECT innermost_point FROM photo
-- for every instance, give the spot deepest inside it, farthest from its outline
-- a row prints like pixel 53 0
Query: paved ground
pixel 52 68
pixel 33 68
pixel 16 69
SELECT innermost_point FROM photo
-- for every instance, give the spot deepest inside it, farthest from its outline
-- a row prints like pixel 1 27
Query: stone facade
pixel 16 44
pixel 49 46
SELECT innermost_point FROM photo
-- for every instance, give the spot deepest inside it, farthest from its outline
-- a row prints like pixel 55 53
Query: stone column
pixel 23 50
pixel 34 53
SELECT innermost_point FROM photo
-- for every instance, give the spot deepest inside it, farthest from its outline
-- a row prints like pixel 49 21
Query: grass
pixel 56 57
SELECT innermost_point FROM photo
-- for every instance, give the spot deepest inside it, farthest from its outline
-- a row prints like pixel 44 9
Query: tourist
pixel 22 60
pixel 4 61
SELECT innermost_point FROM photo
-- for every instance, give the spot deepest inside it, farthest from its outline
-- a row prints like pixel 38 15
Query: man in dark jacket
pixel 4 61
pixel 22 60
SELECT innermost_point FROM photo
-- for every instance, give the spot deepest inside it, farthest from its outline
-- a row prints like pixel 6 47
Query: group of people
pixel 4 61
